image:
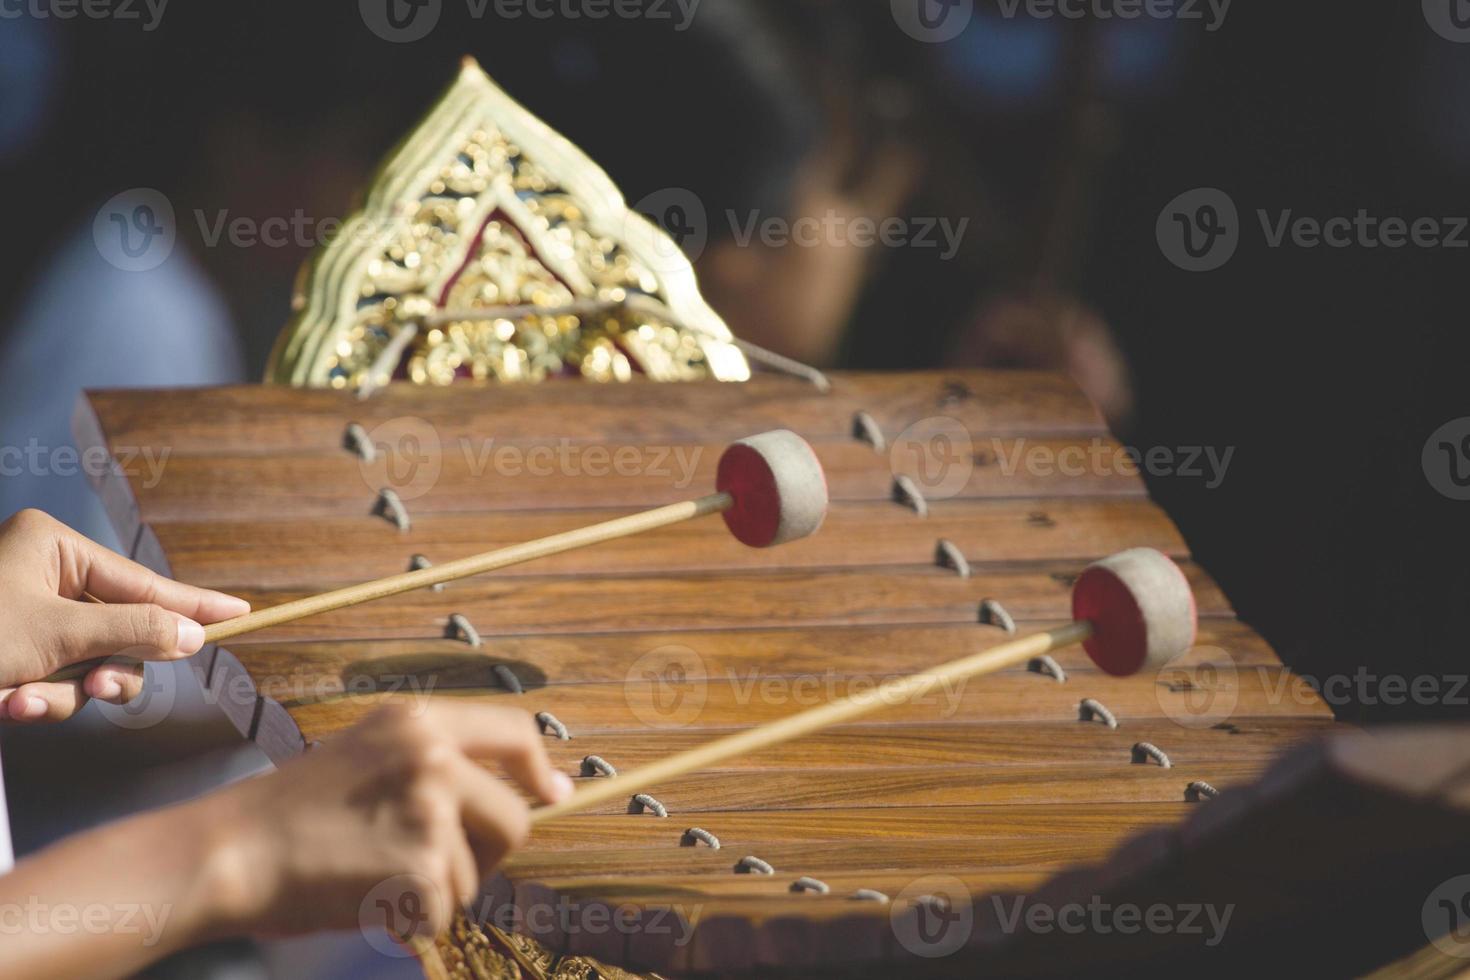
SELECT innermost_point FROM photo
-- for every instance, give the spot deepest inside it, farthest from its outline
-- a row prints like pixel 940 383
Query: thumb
pixel 139 630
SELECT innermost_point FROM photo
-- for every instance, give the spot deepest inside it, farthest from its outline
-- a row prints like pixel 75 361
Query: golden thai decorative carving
pixel 470 951
pixel 489 248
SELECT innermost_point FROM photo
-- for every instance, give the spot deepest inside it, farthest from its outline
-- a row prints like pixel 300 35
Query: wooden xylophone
pixel 964 504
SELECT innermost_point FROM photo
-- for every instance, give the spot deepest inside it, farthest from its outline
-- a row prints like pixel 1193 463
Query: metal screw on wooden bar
pixel 1090 708
pixel 948 555
pixel 992 613
pixel 1047 664
pixel 1144 751
pixel 390 505
pixel 907 492
pixel 642 801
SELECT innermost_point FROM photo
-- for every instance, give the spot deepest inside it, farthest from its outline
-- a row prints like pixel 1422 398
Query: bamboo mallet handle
pixel 287 612
pixel 554 544
pixel 1132 610
pixel 891 692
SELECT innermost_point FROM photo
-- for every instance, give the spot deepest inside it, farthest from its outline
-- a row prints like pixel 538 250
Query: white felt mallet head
pixel 1141 609
pixel 777 486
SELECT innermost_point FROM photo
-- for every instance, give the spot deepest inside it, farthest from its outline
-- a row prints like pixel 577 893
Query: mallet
pixel 770 489
pixel 1130 611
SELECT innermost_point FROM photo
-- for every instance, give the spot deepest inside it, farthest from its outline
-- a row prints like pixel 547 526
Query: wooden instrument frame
pixel 263 492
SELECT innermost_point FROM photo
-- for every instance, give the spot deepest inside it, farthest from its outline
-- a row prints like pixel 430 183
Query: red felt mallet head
pixel 1141 609
pixel 778 488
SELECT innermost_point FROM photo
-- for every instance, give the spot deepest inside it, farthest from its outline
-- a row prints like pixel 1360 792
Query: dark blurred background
pixel 1057 141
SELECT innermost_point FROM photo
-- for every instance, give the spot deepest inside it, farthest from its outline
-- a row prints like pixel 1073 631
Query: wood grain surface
pixel 279 553
pixel 653 645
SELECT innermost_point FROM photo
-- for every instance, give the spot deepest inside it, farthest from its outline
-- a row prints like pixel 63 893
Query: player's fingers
pixel 495 817
pixel 114 683
pixel 114 579
pixel 44 702
pixel 144 631
pixel 510 737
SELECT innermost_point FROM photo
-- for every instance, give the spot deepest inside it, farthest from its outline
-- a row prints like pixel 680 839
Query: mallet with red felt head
pixel 1130 611
pixel 770 489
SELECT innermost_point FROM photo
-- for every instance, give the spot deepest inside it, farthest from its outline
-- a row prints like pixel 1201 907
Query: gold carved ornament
pixel 489 248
